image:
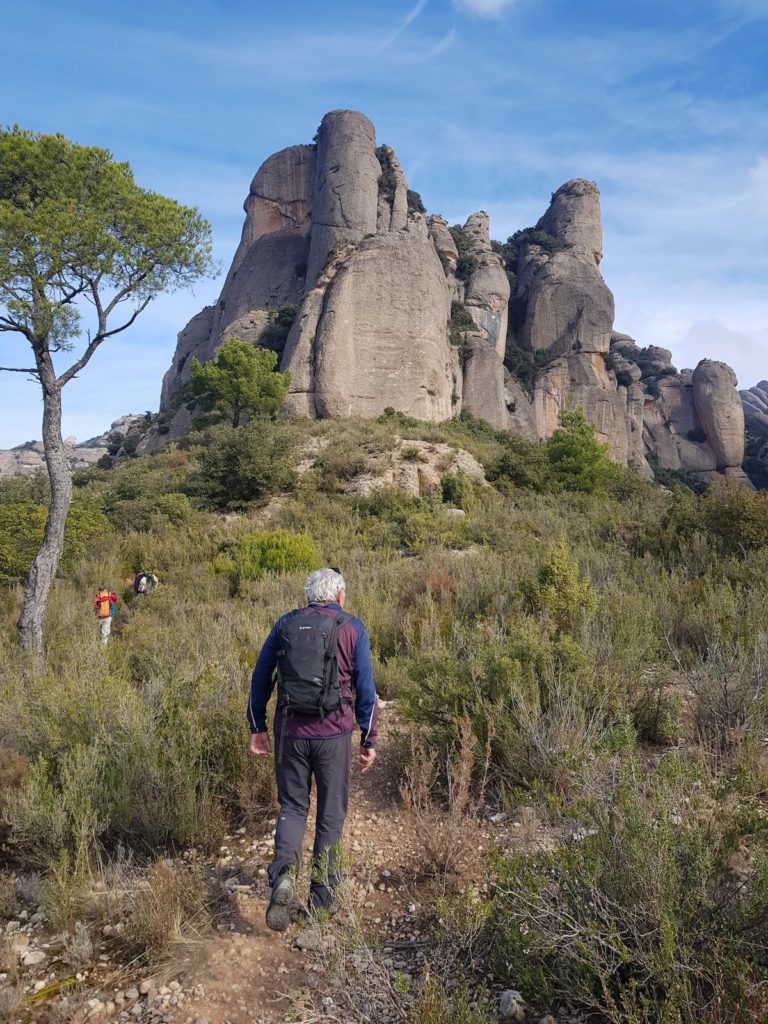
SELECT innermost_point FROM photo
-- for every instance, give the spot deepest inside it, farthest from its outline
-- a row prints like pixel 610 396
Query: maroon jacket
pixel 355 679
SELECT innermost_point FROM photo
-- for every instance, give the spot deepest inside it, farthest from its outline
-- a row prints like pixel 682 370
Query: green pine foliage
pixel 577 460
pixel 241 382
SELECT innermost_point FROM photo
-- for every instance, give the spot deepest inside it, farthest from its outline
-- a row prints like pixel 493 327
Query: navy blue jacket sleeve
pixel 366 703
pixel 262 682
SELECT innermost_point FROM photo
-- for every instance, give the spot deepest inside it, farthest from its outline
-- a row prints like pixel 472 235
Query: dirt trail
pixel 257 976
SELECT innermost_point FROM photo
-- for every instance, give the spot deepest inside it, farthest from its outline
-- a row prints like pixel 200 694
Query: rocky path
pixel 246 974
pixel 257 976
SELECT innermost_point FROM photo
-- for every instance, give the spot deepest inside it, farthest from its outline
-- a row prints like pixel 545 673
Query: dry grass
pixel 170 915
pixel 11 998
pixel 443 829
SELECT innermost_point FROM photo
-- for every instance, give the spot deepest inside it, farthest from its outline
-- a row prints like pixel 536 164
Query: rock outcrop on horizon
pixel 390 307
pixel 29 458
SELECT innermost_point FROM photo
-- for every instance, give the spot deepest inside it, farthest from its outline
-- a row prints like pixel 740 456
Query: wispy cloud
pixel 747 8
pixel 409 18
pixel 440 47
pixel 484 8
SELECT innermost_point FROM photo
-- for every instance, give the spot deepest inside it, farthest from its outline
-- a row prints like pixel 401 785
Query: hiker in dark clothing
pixel 322 661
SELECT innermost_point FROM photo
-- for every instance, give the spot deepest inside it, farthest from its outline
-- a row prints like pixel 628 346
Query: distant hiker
pixel 144 582
pixel 322 661
pixel 104 606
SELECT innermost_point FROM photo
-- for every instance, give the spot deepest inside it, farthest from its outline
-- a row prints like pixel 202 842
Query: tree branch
pixel 97 339
pixel 18 369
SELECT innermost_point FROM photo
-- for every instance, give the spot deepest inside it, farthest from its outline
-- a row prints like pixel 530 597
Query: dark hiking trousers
pixel 328 761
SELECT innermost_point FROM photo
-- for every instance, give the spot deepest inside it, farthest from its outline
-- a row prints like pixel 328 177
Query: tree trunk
pixel 37 588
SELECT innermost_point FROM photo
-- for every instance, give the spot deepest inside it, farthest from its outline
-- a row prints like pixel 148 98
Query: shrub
pixel 736 517
pixel 415 203
pixel 461 239
pixel 168 906
pixel 577 460
pixel 644 916
pixel 561 593
pixel 274 551
pixel 521 463
pixel 521 365
pixel 435 1006
pixel 466 266
pixel 510 250
pixel 387 177
pixel 21 533
pixel 457 490
pixel 275 334
pixel 240 466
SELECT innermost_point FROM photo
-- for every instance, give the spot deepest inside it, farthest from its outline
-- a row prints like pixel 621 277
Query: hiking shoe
pixel 279 909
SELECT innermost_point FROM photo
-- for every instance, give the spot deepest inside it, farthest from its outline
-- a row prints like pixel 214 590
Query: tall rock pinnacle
pixel 378 306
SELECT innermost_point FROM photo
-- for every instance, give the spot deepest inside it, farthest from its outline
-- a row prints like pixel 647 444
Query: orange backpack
pixel 103 605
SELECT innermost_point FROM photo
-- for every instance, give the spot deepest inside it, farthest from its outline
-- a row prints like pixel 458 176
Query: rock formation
pixel 394 309
pixel 755 405
pixel 28 459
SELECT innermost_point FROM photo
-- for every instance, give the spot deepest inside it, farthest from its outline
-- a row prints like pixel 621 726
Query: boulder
pixel 720 411
pixel 486 293
pixel 381 338
pixel 569 308
pixel 414 467
pixel 443 240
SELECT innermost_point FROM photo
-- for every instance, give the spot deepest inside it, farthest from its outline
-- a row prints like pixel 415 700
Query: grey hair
pixel 324 585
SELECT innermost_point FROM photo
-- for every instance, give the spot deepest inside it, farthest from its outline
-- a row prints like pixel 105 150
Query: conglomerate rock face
pixel 389 311
pixel 755 405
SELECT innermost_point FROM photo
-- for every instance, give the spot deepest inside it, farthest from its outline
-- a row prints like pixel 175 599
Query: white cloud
pixel 411 16
pixel 484 8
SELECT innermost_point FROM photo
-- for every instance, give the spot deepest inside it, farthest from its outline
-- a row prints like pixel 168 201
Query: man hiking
pixel 322 661
pixel 144 582
pixel 104 606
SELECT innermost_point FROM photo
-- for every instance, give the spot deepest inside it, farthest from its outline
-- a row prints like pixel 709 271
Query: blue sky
pixel 490 104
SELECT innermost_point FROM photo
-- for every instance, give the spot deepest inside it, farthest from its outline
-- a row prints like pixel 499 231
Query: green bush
pixel 520 463
pixel 511 249
pixel 560 592
pixel 415 202
pixel 466 266
pixel 735 517
pixel 275 334
pixel 237 467
pixel 274 551
pixel 21 534
pixel 457 490
pixel 643 916
pixel 577 460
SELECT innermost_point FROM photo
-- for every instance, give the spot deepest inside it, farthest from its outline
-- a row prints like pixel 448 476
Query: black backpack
pixel 307 666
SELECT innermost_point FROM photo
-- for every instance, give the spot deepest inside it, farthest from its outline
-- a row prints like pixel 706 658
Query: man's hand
pixel 366 757
pixel 260 744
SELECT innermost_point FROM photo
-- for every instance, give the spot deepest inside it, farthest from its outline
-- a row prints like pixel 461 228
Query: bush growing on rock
pixel 577 460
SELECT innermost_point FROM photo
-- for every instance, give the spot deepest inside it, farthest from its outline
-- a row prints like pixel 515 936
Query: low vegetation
pixel 578 643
